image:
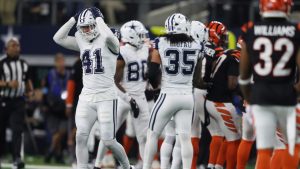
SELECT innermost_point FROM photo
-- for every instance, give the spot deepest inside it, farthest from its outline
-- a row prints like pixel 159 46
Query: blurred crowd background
pixel 34 23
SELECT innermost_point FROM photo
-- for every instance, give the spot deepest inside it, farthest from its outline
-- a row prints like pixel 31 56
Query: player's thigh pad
pixel 248 127
pixel 85 117
pixel 265 126
pixel 107 116
pixel 214 128
pixel 165 107
pixel 283 114
pixel 227 119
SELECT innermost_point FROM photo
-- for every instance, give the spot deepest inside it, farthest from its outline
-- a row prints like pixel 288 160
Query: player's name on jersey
pixel 265 30
pixel 181 44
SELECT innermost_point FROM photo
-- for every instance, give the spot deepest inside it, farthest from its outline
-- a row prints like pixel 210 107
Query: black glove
pixel 116 32
pixel 135 108
pixel 77 14
pixel 96 12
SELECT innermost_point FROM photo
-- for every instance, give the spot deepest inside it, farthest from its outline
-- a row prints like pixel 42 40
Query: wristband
pixel 244 81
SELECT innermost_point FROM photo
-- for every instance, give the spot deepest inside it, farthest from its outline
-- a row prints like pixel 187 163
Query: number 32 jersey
pixel 178 62
pixel 134 80
pixel 98 68
pixel 272 45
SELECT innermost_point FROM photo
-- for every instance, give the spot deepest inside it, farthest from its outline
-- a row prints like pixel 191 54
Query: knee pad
pixel 81 138
pixel 169 139
pixel 109 143
pixel 141 139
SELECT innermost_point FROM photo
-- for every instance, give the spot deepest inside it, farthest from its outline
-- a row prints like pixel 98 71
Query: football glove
pixel 96 12
pixel 135 108
pixel 77 15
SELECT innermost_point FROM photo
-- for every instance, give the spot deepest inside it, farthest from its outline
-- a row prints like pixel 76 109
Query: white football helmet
pixel 86 25
pixel 199 31
pixel 177 24
pixel 134 33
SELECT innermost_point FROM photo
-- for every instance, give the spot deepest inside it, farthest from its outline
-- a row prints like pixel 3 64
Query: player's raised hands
pixel 96 12
pixel 77 14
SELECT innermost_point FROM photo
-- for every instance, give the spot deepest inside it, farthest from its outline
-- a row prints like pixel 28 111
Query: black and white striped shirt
pixel 13 69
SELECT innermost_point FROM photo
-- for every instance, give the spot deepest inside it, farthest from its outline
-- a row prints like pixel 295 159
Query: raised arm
pixel 112 41
pixel 61 36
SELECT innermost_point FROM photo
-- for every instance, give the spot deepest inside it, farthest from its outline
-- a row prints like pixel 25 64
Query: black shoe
pixel 96 167
pixel 18 164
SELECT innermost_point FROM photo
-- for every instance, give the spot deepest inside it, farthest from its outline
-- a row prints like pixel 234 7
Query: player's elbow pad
pixel 153 70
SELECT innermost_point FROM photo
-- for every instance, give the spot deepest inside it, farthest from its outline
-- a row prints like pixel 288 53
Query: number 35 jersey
pixel 272 45
pixel 98 68
pixel 134 80
pixel 178 61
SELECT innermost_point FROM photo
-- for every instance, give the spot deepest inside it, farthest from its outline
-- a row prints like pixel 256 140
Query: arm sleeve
pixel 153 72
pixel 61 36
pixel 111 40
pixel 70 91
pixel 233 64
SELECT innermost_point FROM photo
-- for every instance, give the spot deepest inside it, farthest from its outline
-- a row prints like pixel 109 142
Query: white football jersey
pixel 134 80
pixel 178 64
pixel 98 68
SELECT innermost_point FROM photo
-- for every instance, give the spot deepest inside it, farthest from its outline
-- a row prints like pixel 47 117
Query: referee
pixel 14 85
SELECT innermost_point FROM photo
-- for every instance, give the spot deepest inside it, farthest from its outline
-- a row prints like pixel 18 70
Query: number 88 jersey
pixel 272 46
pixel 134 80
pixel 178 61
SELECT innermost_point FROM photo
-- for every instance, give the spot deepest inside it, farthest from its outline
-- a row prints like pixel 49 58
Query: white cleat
pixel 108 161
pixel 155 164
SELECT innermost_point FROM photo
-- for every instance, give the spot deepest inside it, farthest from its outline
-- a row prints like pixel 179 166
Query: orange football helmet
pixel 218 33
pixel 275 8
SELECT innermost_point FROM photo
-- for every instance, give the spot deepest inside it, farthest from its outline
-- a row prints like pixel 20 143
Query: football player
pixel 130 78
pixel 213 48
pixel 270 54
pixel 177 54
pixel 219 97
pixel 99 49
pixel 200 34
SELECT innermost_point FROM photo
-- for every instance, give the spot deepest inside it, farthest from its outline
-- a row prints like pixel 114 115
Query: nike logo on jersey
pixel 265 30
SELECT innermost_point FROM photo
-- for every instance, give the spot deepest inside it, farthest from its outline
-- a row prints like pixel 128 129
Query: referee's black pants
pixel 12 114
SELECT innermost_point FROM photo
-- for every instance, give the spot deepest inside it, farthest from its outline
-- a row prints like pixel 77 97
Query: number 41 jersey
pixel 178 62
pixel 272 45
pixel 98 68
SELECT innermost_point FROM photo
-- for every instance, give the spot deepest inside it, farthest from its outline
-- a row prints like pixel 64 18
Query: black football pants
pixel 12 115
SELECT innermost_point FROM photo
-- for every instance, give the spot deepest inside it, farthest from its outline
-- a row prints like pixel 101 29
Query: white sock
pixel 166 151
pixel 150 149
pixel 186 150
pixel 118 151
pixel 100 154
pixel 176 162
pixel 218 166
